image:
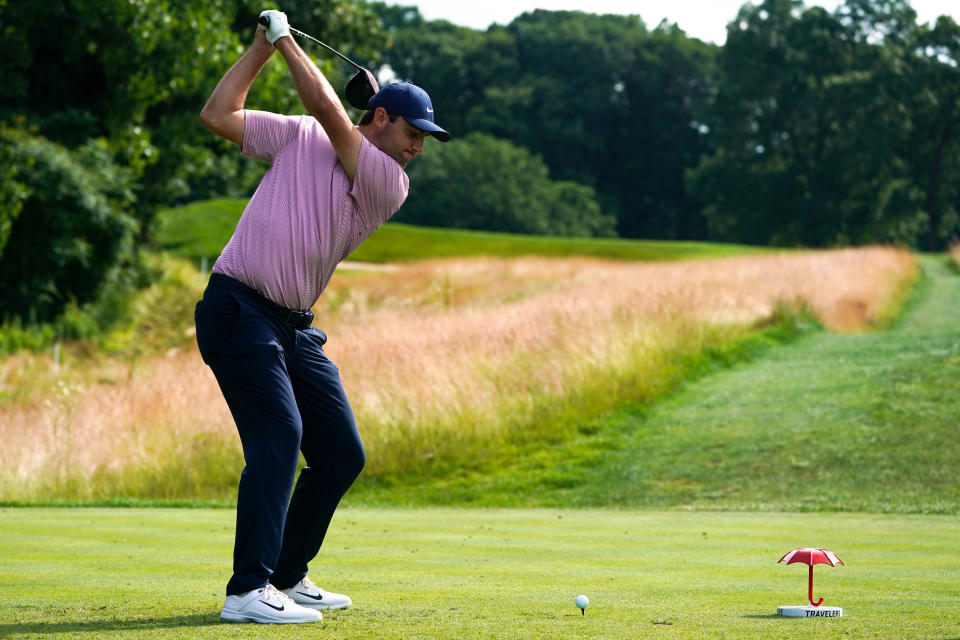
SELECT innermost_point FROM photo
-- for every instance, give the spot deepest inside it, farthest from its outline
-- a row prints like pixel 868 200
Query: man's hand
pixel 275 24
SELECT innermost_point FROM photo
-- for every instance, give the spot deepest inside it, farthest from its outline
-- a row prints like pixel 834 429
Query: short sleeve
pixel 265 134
pixel 380 185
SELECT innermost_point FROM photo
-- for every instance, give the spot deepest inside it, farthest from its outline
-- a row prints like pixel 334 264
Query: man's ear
pixel 381 118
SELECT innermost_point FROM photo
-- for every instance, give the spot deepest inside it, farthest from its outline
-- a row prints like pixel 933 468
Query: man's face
pixel 400 140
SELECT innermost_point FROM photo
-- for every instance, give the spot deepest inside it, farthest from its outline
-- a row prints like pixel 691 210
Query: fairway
pixel 477 573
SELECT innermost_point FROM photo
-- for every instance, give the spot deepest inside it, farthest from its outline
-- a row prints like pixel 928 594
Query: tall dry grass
pixel 447 360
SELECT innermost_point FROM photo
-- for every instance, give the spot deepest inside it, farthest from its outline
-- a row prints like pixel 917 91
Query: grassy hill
pixel 831 422
pixel 683 506
pixel 201 229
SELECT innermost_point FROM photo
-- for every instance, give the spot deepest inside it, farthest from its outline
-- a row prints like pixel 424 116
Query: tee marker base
pixel 810 612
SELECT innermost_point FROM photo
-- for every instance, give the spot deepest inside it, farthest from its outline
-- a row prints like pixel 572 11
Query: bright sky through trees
pixel 704 20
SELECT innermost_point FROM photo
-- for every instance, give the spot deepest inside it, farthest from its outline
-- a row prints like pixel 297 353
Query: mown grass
pixel 399 242
pixel 197 230
pixel 200 230
pixel 488 574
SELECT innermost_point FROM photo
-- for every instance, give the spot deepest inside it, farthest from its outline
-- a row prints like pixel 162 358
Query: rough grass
pixel 449 365
pixel 488 574
pixel 831 422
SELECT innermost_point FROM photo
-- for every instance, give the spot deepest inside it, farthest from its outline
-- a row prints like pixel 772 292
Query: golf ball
pixel 582 601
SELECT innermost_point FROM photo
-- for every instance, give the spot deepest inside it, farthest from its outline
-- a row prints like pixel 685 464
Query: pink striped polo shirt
pixel 306 216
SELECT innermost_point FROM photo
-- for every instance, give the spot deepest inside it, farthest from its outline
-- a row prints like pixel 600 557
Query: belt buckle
pixel 299 319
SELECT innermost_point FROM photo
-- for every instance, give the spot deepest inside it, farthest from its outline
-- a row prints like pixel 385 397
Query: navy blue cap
pixel 411 102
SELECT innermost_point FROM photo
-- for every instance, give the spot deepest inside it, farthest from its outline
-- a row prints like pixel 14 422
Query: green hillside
pixel 831 422
pixel 201 229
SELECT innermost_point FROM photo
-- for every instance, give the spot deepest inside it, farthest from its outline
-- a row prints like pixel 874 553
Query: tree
pixel 933 99
pixel 806 132
pixel 454 64
pixel 12 192
pixel 73 228
pixel 605 102
pixel 481 182
pixel 136 74
pixel 93 86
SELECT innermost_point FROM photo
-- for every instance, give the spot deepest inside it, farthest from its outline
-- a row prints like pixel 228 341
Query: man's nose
pixel 418 145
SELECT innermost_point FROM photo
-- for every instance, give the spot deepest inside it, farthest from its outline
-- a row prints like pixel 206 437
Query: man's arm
pixel 223 113
pixel 321 100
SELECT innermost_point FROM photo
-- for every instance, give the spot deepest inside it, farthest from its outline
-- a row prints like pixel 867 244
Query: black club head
pixel 360 88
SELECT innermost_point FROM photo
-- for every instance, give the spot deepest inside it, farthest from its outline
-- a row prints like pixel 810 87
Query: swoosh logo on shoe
pixel 280 608
pixel 319 597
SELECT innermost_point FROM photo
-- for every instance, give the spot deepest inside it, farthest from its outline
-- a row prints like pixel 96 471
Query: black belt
pixel 296 319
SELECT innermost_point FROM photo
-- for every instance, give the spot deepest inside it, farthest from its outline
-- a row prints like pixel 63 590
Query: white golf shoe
pixel 268 606
pixel 307 594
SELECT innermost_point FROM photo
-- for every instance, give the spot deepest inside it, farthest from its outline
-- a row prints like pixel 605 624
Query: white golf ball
pixel 582 601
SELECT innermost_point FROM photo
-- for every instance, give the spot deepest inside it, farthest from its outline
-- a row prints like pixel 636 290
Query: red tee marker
pixel 812 557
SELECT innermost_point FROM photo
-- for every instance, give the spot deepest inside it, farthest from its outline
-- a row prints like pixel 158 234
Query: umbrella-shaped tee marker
pixel 812 557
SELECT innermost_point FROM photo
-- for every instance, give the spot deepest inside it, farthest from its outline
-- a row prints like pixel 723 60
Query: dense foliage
pixel 482 182
pixel 71 231
pixel 604 101
pixel 808 127
pixel 834 128
pixel 96 90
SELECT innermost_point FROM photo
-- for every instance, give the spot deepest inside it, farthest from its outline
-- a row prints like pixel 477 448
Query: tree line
pixel 806 128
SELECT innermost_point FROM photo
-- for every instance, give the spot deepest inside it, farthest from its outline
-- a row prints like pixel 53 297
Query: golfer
pixel 330 185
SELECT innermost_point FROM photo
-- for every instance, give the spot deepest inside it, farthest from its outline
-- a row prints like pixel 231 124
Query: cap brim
pixel 430 128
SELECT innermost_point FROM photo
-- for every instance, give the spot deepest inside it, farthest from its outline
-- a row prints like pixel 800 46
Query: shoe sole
pixel 318 605
pixel 235 616
pixel 324 607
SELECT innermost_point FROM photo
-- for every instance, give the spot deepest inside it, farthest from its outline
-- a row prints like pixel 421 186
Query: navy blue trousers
pixel 286 397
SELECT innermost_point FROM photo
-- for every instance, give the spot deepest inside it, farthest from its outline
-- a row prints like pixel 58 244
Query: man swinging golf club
pixel 330 185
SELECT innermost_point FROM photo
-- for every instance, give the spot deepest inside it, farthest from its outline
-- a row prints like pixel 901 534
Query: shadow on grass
pixel 762 616
pixel 51 630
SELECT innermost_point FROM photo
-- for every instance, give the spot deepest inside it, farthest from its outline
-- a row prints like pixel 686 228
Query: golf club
pixel 360 88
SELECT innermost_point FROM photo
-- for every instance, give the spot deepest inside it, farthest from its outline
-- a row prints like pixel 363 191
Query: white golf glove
pixel 276 26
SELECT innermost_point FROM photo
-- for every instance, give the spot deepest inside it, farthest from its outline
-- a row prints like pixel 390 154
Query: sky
pixel 703 19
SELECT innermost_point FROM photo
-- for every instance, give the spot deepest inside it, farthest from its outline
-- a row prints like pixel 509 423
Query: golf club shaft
pixel 325 46
pixel 265 21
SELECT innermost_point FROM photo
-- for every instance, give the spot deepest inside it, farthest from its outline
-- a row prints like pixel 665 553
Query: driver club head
pixel 360 88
